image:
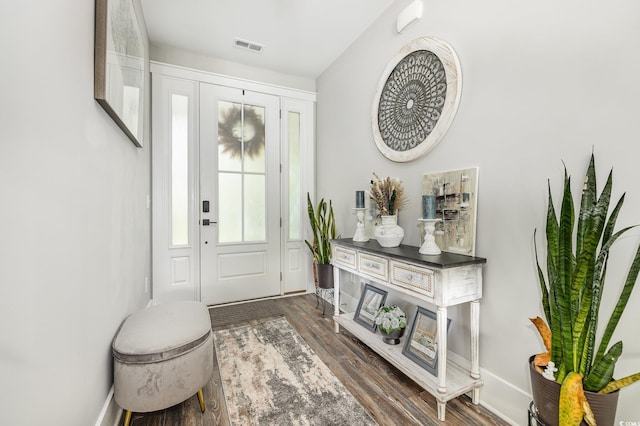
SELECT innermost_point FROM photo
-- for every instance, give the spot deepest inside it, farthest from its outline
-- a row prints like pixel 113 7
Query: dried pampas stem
pixel 388 194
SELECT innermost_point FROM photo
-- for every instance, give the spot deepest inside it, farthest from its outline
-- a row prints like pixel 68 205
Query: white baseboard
pixel 110 413
pixel 505 400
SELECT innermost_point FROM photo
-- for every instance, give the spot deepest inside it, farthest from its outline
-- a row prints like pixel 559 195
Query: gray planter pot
pixel 325 275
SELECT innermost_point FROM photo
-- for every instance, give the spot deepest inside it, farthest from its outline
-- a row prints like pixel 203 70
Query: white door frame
pixel 176 269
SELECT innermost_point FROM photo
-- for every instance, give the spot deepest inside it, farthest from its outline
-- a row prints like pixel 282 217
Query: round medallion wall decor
pixel 416 100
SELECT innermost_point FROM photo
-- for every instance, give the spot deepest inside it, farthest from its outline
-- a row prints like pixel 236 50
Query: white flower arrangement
pixel 389 318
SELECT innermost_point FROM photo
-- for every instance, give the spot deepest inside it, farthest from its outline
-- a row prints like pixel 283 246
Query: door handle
pixel 207 222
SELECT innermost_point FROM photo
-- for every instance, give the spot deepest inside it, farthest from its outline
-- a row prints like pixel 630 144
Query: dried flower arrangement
pixel 388 194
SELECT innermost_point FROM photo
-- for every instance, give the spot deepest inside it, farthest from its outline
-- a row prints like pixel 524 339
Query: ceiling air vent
pixel 249 45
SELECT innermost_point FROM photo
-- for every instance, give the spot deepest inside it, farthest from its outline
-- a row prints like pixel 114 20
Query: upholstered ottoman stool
pixel 162 356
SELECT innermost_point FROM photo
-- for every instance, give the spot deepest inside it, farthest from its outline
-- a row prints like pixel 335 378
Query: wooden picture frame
pixel 371 299
pixel 121 65
pixel 421 346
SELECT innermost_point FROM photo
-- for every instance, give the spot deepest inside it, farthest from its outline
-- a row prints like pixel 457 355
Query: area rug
pixel 270 376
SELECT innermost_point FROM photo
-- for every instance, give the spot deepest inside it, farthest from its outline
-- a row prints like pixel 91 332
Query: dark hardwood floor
pixel 387 394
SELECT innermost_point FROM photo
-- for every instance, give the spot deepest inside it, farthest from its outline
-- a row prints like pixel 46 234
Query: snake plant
pixel 323 226
pixel 572 290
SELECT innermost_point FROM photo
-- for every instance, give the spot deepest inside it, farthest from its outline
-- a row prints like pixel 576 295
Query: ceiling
pixel 301 37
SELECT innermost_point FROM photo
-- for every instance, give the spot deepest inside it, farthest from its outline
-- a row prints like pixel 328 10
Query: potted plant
pixel 389 196
pixel 391 322
pixel 577 365
pixel 323 227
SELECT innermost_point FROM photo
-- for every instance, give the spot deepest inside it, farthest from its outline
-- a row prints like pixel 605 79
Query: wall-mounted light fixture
pixel 411 13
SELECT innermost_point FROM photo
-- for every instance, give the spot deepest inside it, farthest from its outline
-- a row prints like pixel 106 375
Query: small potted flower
pixel 391 322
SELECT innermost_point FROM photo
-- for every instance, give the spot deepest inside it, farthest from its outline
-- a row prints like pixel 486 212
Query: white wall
pixel 543 82
pixel 74 224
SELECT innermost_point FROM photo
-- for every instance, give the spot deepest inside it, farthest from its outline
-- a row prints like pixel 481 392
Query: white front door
pixel 239 195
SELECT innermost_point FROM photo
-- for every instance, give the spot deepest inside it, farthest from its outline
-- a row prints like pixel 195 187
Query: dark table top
pixel 443 260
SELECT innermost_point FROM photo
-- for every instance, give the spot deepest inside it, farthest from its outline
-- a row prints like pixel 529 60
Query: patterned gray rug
pixel 270 376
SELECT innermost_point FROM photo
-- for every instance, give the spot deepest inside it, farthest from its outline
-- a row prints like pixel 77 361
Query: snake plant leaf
pixel 572 400
pixel 594 306
pixel 593 225
pixel 620 383
pixel 555 290
pixel 543 284
pixel 613 218
pixel 629 284
pixel 602 370
pixel 588 198
pixel 565 273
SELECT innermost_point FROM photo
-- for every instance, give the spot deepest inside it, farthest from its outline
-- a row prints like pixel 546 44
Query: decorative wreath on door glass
pixel 416 100
pixel 232 133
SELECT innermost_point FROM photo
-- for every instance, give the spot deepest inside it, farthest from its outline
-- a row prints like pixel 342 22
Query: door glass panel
pixel 241 173
pixel 179 170
pixel 253 136
pixel 229 207
pixel 229 136
pixel 254 208
pixel 295 230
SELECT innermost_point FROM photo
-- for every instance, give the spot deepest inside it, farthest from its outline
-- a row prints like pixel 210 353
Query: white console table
pixel 443 280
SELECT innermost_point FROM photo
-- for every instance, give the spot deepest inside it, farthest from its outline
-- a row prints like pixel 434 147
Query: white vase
pixel 389 233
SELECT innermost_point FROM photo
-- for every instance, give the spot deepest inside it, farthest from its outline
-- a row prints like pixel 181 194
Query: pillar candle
pixel 359 199
pixel 428 206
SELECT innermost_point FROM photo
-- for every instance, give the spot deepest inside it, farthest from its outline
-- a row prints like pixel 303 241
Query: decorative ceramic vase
pixel 389 234
pixel 546 400
pixel 392 338
pixel 325 275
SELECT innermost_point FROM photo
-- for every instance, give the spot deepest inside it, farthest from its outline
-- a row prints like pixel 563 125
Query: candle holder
pixel 429 246
pixel 360 235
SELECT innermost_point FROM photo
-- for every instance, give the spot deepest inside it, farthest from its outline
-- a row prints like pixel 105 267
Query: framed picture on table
pixel 371 300
pixel 421 346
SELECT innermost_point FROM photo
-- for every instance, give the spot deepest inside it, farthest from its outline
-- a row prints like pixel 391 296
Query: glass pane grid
pixel 241 173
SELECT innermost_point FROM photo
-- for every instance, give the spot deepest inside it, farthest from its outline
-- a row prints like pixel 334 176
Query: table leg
pixel 336 297
pixel 441 410
pixel 475 338
pixel 442 349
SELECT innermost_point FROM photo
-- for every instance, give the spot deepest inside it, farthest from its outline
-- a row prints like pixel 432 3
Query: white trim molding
pixel 110 414
pixel 224 80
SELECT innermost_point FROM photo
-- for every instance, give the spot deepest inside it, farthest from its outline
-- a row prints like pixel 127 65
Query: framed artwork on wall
pixel 120 64
pixel 456 205
pixel 371 300
pixel 417 99
pixel 421 346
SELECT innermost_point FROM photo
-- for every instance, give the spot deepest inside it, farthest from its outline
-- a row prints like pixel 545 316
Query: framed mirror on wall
pixel 121 65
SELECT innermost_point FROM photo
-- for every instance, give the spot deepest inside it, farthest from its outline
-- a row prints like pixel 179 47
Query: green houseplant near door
pixel 571 295
pixel 323 226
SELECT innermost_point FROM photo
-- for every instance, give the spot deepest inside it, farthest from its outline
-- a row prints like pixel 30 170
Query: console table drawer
pixel 413 277
pixel 374 266
pixel 345 257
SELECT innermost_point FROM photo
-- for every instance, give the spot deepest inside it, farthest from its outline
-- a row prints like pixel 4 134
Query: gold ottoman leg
pixel 127 418
pixel 201 400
